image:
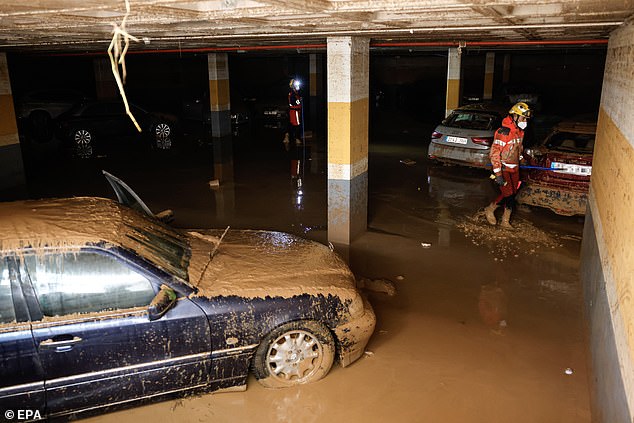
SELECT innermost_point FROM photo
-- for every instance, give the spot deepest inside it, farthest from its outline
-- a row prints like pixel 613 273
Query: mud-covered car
pixel 102 306
pixel 559 169
pixel 465 136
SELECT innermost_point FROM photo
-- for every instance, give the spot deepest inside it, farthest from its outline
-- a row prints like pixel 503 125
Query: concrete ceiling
pixel 87 25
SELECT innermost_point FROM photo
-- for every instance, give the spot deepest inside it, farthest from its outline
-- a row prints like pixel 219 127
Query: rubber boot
pixel 489 212
pixel 506 219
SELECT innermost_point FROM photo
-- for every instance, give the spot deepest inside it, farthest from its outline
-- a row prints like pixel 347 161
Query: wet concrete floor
pixel 485 325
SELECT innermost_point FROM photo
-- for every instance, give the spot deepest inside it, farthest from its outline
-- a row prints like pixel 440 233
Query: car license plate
pixel 572 168
pixel 456 140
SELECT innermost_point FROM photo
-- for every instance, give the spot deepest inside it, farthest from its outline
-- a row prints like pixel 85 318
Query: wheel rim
pixel 162 131
pixel 164 143
pixel 296 355
pixel 82 137
pixel 83 143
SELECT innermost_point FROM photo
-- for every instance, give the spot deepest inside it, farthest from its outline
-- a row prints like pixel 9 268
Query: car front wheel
pixel 83 143
pixel 294 353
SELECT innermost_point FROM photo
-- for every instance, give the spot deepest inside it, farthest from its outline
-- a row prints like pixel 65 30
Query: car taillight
pixel 436 135
pixel 483 140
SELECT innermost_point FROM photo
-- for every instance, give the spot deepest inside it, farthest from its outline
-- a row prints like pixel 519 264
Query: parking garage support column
pixel 220 106
pixel 348 88
pixel 489 67
pixel 607 252
pixel 453 80
pixel 218 65
pixel 11 165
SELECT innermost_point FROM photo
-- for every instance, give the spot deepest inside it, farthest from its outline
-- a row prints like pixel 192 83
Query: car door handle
pixel 62 345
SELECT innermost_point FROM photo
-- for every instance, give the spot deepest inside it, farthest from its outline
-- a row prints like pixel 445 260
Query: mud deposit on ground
pixel 523 239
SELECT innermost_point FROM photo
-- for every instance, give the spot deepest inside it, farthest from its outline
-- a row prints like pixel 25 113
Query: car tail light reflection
pixel 436 135
pixel 483 140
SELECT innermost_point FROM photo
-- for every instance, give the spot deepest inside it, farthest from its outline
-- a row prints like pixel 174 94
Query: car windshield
pixel 569 141
pixel 161 245
pixel 472 120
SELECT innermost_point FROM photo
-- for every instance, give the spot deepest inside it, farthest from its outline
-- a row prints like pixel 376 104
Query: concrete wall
pixel 607 256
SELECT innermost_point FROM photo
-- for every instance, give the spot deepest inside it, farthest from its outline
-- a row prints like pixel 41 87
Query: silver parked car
pixel 466 135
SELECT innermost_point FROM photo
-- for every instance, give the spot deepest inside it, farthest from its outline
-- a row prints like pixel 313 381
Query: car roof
pixel 59 222
pixel 484 107
pixel 577 126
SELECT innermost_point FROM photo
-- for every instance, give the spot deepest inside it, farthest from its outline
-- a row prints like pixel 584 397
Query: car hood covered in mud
pixel 251 264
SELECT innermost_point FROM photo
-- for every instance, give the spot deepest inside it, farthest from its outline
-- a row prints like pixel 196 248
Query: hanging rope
pixel 116 51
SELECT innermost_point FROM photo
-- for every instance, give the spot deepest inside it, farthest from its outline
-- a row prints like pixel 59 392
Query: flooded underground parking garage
pixel 472 324
pixel 344 269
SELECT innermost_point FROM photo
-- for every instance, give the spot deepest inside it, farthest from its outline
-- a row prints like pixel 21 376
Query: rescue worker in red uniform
pixel 505 155
pixel 294 112
pixel 292 136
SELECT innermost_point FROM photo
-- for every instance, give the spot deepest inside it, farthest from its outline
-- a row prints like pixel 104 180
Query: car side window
pixel 86 282
pixel 7 311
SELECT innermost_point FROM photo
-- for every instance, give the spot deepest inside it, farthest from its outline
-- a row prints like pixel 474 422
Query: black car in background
pixel 92 126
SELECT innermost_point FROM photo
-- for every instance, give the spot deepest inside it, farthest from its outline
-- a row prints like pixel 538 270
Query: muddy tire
pixel 293 354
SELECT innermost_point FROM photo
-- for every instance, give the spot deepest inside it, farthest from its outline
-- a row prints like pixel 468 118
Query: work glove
pixel 500 180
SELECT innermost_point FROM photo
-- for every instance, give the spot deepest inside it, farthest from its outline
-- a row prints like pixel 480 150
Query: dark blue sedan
pixel 102 306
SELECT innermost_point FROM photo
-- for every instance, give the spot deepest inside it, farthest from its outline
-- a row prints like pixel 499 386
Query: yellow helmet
pixel 521 109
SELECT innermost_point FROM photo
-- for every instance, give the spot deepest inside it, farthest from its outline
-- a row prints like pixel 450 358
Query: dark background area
pixel 412 83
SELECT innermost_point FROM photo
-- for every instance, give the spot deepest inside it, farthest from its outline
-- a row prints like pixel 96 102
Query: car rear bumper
pixel 354 335
pixel 459 155
pixel 562 200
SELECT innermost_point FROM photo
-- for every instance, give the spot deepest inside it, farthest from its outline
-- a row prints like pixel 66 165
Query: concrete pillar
pixel 489 67
pixel 316 69
pixel 11 164
pixel 453 81
pixel 106 85
pixel 348 92
pixel 506 69
pixel 607 251
pixel 218 66
pixel 220 106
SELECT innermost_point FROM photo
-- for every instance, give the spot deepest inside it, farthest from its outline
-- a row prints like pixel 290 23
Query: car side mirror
pixel 161 303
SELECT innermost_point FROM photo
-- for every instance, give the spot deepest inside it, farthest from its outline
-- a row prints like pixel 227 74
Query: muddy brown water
pixel 484 322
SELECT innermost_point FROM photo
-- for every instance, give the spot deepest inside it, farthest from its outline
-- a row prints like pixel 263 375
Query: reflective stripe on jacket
pixel 507 147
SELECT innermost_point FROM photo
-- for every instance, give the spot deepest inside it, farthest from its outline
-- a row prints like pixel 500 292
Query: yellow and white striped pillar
pixel 11 164
pixel 348 97
pixel 607 253
pixel 220 106
pixel 489 68
pixel 453 80
pixel 219 99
